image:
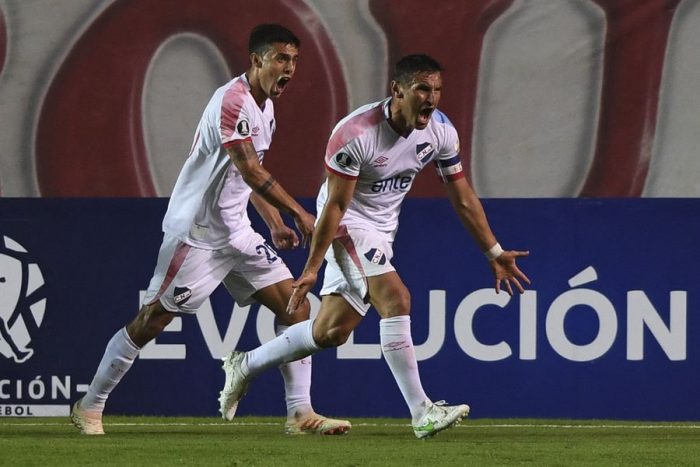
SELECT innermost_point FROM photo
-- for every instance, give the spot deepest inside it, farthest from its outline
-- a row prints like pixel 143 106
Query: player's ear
pixel 396 89
pixel 256 60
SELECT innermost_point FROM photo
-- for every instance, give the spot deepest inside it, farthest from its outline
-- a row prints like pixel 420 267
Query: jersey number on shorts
pixel 267 250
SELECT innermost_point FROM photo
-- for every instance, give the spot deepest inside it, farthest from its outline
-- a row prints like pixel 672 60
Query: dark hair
pixel 410 65
pixel 264 35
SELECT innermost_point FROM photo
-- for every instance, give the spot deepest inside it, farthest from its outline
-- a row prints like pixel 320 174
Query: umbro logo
pixel 380 161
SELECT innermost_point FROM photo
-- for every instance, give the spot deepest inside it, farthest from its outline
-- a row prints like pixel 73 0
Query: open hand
pixel 505 269
pixel 301 287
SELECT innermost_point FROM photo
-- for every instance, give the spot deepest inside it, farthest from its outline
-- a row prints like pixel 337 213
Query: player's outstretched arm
pixel 283 238
pixel 261 182
pixel 340 191
pixel 471 212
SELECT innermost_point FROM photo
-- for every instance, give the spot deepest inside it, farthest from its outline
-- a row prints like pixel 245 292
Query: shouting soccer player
pixel 372 158
pixel 208 238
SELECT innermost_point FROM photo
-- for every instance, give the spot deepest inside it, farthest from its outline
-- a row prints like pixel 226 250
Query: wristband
pixel 493 252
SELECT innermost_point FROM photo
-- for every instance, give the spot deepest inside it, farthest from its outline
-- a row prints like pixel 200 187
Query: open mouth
pixel 282 82
pixel 424 114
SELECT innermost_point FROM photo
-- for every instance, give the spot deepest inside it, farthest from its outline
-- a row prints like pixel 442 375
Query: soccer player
pixel 372 158
pixel 208 238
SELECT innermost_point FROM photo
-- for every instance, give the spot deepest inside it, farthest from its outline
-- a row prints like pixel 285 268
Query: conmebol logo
pixel 22 304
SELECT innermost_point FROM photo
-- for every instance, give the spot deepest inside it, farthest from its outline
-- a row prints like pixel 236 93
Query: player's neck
pixel 396 121
pixel 256 89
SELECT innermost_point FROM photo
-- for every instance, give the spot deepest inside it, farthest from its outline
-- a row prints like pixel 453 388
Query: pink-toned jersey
pixel 209 203
pixel 363 146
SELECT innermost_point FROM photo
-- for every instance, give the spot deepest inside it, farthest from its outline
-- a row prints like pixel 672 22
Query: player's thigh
pixel 356 254
pixel 335 321
pixel 276 297
pixel 258 274
pixel 389 295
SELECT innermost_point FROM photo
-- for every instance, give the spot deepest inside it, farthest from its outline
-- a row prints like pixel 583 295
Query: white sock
pixel 297 382
pixel 397 347
pixel 296 342
pixel 116 361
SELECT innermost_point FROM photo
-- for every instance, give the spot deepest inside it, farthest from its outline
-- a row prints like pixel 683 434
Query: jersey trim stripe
pixel 175 264
pixel 228 144
pixel 340 174
pixel 231 106
pixel 343 237
pixel 353 128
pixel 452 178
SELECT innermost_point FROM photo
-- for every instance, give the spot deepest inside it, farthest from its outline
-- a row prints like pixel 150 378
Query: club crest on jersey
pixel 380 161
pixel 424 151
pixel 343 159
pixel 181 295
pixel 243 128
pixel 375 256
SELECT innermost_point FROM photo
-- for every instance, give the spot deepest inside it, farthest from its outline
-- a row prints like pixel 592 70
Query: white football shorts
pixel 185 276
pixel 355 255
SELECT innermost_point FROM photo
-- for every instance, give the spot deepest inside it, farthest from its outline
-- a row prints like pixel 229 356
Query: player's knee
pixel 331 337
pixel 149 323
pixel 397 304
pixel 302 313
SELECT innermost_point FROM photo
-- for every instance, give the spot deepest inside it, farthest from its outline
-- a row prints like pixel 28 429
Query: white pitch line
pixel 470 426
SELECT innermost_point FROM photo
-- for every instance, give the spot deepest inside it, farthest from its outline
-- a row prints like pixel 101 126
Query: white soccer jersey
pixel 365 147
pixel 209 203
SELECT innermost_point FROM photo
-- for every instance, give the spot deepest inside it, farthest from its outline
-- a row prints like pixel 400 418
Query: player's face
pixel 278 65
pixel 421 98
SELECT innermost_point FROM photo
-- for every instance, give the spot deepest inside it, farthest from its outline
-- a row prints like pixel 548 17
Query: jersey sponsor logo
pixel 243 128
pixel 380 161
pixel 181 295
pixel 22 300
pixel 376 256
pixel 343 159
pixel 424 151
pixel 398 183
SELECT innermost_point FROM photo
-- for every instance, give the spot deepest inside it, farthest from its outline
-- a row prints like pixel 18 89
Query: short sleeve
pixel 346 161
pixel 235 124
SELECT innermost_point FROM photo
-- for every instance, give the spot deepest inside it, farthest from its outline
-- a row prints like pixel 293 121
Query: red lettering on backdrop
pixel 90 138
pixel 635 49
pixel 452 33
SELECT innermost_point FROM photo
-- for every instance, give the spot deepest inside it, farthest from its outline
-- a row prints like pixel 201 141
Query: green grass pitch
pixel 257 441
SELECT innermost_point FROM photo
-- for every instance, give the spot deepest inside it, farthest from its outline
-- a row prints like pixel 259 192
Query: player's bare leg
pixel 301 417
pixel 120 353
